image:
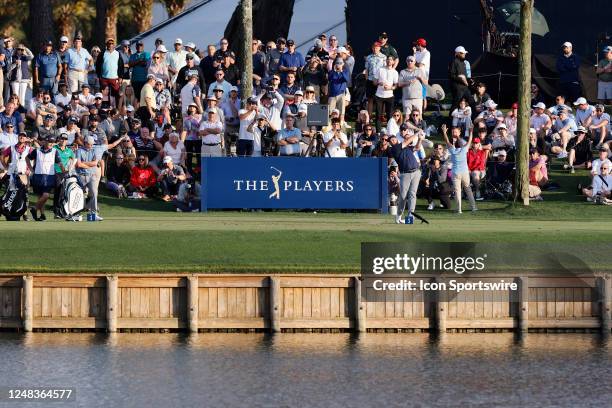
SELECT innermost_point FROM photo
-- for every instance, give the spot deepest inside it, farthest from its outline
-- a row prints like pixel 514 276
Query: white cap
pixel 567 44
pixel 90 140
pixel 234 89
pixel 167 159
pixel 341 49
pixel 129 108
pixel 501 152
pixel 532 130
pixel 161 48
pixel 190 45
pixel 335 111
pixel 580 101
pixel 63 38
pixel 502 126
pixel 98 95
pixel 178 41
pixel 158 80
pixel 540 105
pixel 580 129
pixel 490 104
pixel 460 49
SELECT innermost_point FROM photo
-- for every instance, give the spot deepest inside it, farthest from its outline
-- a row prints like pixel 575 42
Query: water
pixel 323 370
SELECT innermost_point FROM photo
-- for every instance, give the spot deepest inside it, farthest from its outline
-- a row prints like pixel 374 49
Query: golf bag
pixel 14 202
pixel 72 197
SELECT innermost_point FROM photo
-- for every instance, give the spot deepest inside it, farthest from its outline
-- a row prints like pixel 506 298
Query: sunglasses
pixel 155 57
pixel 276 79
pixel 224 43
pixel 141 159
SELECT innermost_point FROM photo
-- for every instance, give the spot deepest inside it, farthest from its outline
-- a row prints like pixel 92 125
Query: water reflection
pixel 314 369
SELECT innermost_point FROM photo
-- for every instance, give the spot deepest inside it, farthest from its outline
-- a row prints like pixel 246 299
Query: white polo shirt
pixel 386 76
pixel 334 149
pixel 211 139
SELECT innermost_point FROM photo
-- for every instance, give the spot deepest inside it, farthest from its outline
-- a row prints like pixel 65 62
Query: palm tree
pixel 40 23
pixel 173 7
pixel 70 15
pixel 142 11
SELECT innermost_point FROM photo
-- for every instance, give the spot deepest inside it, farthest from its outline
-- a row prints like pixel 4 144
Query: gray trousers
pixel 91 182
pixel 409 184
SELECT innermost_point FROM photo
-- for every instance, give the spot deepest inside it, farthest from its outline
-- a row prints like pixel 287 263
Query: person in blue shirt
pixel 139 62
pixel 290 61
pixel 78 62
pixel 289 138
pixel 337 79
pixel 87 169
pixel 403 152
pixel 47 69
pixel 564 128
pixel 461 174
pixel 568 65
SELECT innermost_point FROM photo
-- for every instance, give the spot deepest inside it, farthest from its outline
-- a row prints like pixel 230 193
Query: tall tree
pixel 106 20
pixel 71 15
pixel 143 14
pixel 271 19
pixel 173 7
pixel 245 58
pixel 524 83
pixel 40 23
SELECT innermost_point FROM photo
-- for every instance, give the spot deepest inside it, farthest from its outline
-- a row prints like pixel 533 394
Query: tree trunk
pixel 524 83
pixel 271 19
pixel 100 23
pixel 245 58
pixel 111 20
pixel 143 14
pixel 173 7
pixel 40 23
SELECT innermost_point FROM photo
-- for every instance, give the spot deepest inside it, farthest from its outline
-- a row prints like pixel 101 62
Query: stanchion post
pixel 440 308
pixel 275 292
pixel 28 302
pixel 603 282
pixel 112 287
pixel 192 303
pixel 523 304
pixel 360 313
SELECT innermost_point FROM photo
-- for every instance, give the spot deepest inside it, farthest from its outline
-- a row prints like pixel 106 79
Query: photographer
pixel 263 137
pixel 335 140
pixel 170 179
pixel 435 184
pixel 246 138
pixel 188 198
pixel 270 105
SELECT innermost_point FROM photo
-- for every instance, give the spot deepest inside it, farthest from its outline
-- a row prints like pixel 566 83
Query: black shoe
pixel 33 212
pixel 42 217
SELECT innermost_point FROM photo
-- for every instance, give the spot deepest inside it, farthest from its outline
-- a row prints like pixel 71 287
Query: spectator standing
pixel 314 76
pixel 386 81
pixel 176 60
pixel 188 69
pixel 158 66
pixel 411 80
pixel 47 69
pixel 477 164
pixel 139 63
pixel 207 65
pixel 289 138
pixel 387 49
pixel 458 77
pixel 6 57
pixel 290 61
pixel 568 65
pixel 604 77
pixel 246 137
pixel 193 145
pixel 338 79
pixel 274 56
pixel 422 56
pixel 109 67
pixel 124 53
pixel 231 108
pixel 219 82
pixel 148 105
pixel 78 62
pixel 259 64
pixel 211 132
pixel 461 174
pixel 19 71
pixel 230 69
pixel 373 63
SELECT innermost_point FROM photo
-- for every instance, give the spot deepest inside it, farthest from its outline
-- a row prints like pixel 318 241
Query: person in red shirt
pixel 477 164
pixel 143 180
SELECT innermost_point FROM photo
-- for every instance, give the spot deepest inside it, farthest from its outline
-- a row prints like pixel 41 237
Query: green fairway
pixel 148 236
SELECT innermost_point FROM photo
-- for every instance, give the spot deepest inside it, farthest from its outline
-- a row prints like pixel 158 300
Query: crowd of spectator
pixel 139 121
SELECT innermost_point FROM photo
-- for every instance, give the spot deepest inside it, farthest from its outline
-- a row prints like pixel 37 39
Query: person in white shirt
pixel 231 108
pixel 540 121
pixel 602 183
pixel 599 127
pixel 8 137
pixel 211 131
pixel 72 130
pixel 271 105
pixel 246 138
pixel 411 80
pixel 62 98
pixel 597 163
pixel 422 55
pixel 584 111
pixel 386 83
pixel 190 94
pixel 335 140
pixel 175 149
pixel 176 60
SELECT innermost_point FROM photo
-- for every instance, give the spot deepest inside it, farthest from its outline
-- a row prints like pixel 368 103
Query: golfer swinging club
pixel 275 179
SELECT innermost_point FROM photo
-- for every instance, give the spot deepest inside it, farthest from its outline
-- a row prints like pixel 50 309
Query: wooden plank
pixel 344 302
pixel 393 323
pixel 154 302
pixel 222 302
pixel 316 303
pixel 69 323
pixel 533 302
pixel 334 303
pixel 577 302
pixel 144 302
pixel 37 302
pixel 550 302
pixel 250 307
pixel 69 281
pixel 461 298
pixel 135 302
pixel 325 302
pixel 241 294
pixel 231 302
pixel 541 303
pixel 298 296
pixel 75 301
pixel 407 299
pixel 306 302
pixel 584 323
pixel 203 303
pixel 569 302
pixel 263 303
pixel 505 305
pixel 479 304
pixel 66 302
pixel 343 323
pixel 45 302
pixel 315 282
pixel 452 309
pixel 287 302
pixel 124 294
pixel 233 282
pixel 586 302
pixel 496 323
pixel 56 302
pixel 246 323
pixel 161 323
pixel 213 306
pixel 380 304
pixel 10 281
pixel 560 302
pixel 149 282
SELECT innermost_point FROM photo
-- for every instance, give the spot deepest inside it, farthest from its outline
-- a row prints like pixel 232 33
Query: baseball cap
pixel 189 56
pixel 78 37
pixel 532 130
pixel 410 58
pixel 94 118
pixel 98 95
pixel 261 116
pixel 501 152
pixel 515 105
pixel 63 38
pixel 290 42
pixel 125 43
pixel 383 35
pixel 64 136
pixel 281 40
pixel 318 43
pixel 600 107
pixel 403 127
pixel 567 44
pixel 167 159
pixel 608 48
pixel 580 129
pixel 158 81
pixel 178 41
pixel 252 99
pixel 190 45
pixel 476 140
pixel 48 42
pixel 234 89
pixel 129 108
pixel 161 48
pixel 192 104
pixel 24 134
pixel 580 101
pixel 110 40
pixel 50 139
pixel 490 104
pixel 461 49
pixel 377 44
pixel 421 42
pixel 502 126
pixel 90 140
pixel 139 42
pixel 48 117
pixel 211 98
pixel 342 50
pixel 299 92
pixel 310 88
pixel 218 89
pixel 151 76
pixel 602 149
pixel 335 111
pixel 540 105
pixel 211 111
